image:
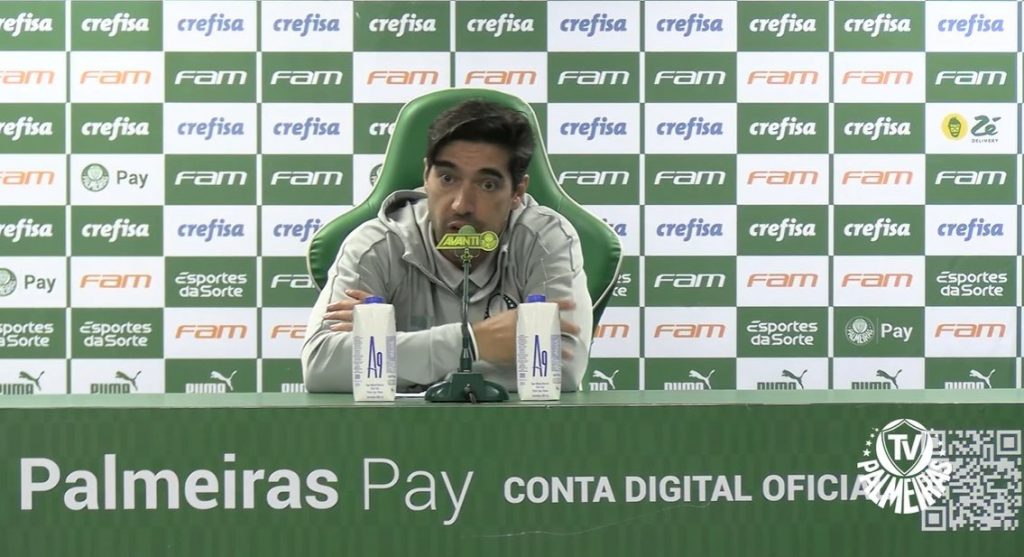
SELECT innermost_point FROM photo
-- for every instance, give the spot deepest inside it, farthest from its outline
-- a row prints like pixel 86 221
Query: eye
pixel 490 185
pixel 446 178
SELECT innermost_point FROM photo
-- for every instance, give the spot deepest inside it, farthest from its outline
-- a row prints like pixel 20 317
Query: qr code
pixel 985 484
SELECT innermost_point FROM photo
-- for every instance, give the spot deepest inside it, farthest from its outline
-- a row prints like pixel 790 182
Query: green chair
pixel 403 169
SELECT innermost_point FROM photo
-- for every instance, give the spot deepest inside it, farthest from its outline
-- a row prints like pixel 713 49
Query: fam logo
pixel 971 77
pixel 502 77
pixel 594 177
pixel 977 23
pixel 211 178
pixel 862 331
pixel 211 77
pixel 882 23
pixel 292 331
pixel 216 22
pixel 690 77
pixel 690 178
pixel 115 77
pixel 598 23
pixel 878 77
pixel 27 77
pixel 408 23
pixel 29 385
pixel 124 383
pixel 306 77
pixel 216 228
pixel 696 125
pixel 972 230
pixel 779 26
pixel 877 280
pixel 873 177
pixel 116 281
pixel 26 22
pixel 25 126
pixel 783 77
pixel 403 77
pixel 695 23
pixel 984 130
pixel 970 330
pixel 593 77
pixel 122 22
pixel 312 23
pixel 35 177
pixel 505 23
pixel 904 474
pixel 782 177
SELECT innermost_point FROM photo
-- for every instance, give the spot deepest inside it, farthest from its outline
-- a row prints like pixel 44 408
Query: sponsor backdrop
pixel 810 194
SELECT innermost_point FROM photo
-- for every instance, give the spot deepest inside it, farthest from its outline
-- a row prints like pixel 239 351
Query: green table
pixel 637 473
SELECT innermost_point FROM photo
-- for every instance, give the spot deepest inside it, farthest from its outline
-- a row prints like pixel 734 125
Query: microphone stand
pixel 466 385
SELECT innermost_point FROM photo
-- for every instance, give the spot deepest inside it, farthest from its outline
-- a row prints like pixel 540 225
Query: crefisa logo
pixel 904 474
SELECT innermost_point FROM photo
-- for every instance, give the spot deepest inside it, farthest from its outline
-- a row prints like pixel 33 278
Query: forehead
pixel 473 156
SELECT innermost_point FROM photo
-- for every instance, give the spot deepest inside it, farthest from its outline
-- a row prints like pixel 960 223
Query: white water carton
pixel 538 350
pixel 374 351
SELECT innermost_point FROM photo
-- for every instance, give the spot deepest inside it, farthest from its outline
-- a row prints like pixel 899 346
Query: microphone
pixel 466 385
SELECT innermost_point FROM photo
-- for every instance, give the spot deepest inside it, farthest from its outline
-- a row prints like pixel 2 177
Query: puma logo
pixel 890 378
pixel 124 377
pixel 35 380
pixel 611 380
pixel 216 376
pixel 986 378
pixel 799 380
pixel 694 374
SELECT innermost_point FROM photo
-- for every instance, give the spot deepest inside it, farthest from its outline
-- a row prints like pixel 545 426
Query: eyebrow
pixel 494 172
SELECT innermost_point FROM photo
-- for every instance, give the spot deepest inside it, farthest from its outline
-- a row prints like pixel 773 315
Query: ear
pixel 426 170
pixel 519 191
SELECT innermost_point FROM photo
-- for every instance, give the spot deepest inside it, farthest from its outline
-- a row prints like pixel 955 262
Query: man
pixel 475 174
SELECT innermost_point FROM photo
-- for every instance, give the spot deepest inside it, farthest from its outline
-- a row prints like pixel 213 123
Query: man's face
pixel 470 184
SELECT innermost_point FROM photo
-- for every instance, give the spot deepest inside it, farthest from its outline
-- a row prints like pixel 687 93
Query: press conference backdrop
pixel 809 194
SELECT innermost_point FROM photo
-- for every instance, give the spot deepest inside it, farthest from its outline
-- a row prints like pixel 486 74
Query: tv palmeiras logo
pixel 904 472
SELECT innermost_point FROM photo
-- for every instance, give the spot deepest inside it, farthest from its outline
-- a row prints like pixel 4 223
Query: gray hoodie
pixel 394 256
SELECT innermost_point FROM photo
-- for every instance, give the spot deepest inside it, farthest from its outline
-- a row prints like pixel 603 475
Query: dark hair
pixel 484 122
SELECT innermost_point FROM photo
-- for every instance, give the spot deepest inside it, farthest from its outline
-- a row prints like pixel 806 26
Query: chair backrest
pixel 403 169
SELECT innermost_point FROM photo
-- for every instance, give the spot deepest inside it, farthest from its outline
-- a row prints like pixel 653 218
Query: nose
pixel 465 200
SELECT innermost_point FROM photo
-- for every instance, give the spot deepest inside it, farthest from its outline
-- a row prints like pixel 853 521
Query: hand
pixel 342 310
pixel 496 337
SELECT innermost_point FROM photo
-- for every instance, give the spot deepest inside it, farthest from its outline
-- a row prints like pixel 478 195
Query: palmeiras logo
pixel 904 473
pixel 860 330
pixel 95 177
pixel 8 281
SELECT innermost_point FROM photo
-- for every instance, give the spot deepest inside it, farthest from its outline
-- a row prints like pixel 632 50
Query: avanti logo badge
pixel 904 474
